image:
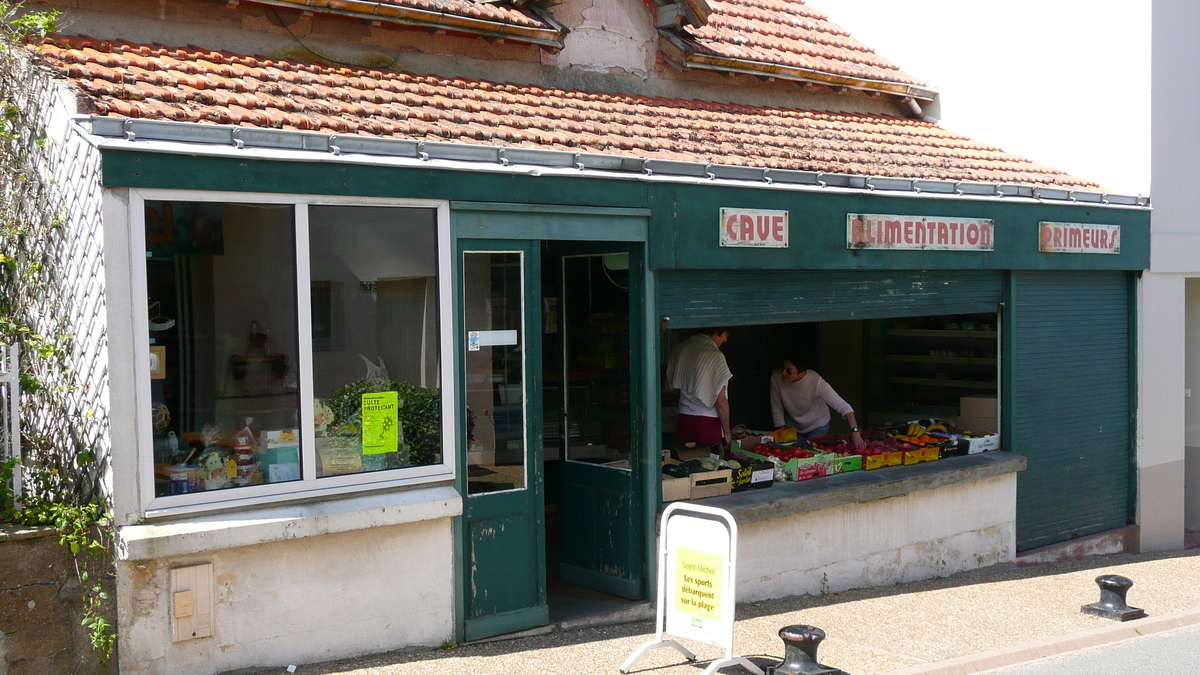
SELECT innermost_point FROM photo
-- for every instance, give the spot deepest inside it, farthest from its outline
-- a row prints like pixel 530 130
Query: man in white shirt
pixel 801 398
pixel 697 368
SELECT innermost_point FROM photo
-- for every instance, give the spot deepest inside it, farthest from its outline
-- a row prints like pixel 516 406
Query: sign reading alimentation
pixel 919 233
pixel 1079 238
pixel 754 228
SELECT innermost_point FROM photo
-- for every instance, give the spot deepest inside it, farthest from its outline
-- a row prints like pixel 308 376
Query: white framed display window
pixel 290 307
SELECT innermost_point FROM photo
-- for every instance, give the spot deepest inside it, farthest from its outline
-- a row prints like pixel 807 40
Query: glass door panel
pixel 596 359
pixel 494 312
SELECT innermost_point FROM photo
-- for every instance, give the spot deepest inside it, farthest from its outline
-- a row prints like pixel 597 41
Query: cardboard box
pixel 703 452
pixel 978 405
pixel 989 442
pixel 980 425
pixel 711 483
pixel 753 476
pixel 747 444
pixel 675 489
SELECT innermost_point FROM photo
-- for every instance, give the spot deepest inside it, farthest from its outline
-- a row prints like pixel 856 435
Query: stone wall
pixel 41 607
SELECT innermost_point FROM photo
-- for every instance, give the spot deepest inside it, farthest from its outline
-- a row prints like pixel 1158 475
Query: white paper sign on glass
pixel 754 228
pixel 1079 238
pixel 490 338
pixel 919 233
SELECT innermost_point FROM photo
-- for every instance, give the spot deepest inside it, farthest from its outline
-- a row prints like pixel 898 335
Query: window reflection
pixel 223 345
pixel 376 351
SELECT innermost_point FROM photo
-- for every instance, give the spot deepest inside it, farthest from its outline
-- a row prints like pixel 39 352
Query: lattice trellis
pixel 59 289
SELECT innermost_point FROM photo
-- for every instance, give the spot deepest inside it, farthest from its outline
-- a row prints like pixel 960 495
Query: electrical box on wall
pixel 191 602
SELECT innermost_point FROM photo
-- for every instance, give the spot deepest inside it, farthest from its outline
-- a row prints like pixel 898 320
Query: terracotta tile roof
pixel 500 12
pixel 786 33
pixel 467 15
pixel 152 81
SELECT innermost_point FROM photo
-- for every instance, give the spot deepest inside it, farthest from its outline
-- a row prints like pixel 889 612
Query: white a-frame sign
pixel 697 583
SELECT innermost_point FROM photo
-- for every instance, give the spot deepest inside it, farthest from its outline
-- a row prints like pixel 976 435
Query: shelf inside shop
pixel 960 360
pixel 936 332
pixel 932 382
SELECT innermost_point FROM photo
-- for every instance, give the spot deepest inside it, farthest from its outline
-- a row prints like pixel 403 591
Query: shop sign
pixel 754 228
pixel 1079 238
pixel 697 580
pixel 919 233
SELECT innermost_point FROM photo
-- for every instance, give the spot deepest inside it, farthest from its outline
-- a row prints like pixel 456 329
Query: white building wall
pixel 296 601
pixel 920 535
pixel 1168 331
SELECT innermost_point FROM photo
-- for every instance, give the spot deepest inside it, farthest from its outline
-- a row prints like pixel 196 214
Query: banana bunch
pixel 943 427
pixel 915 430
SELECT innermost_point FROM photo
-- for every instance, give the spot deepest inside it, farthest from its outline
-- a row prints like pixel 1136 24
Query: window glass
pixel 376 350
pixel 221 284
pixel 494 316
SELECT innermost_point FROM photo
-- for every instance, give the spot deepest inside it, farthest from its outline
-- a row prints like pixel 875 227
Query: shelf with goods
pixel 923 366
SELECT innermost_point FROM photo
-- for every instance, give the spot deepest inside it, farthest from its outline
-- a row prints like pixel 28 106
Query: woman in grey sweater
pixel 801 398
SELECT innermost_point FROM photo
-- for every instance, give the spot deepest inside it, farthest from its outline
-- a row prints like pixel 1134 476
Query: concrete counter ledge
pixel 869 528
pixel 783 499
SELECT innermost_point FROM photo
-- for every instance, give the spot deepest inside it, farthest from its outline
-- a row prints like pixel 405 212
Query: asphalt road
pixel 1173 653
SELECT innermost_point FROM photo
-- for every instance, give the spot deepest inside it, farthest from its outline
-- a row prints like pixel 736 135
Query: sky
pixel 1065 83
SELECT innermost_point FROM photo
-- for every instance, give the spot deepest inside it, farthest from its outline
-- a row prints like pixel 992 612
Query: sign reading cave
pixel 754 228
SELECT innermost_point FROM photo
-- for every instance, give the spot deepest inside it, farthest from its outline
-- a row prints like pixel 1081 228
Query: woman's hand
pixel 856 439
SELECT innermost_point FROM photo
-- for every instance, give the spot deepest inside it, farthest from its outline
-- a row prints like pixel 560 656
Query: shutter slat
pixel 1071 404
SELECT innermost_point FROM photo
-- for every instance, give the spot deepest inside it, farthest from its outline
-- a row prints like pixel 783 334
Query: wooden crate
pixel 711 483
pixel 675 489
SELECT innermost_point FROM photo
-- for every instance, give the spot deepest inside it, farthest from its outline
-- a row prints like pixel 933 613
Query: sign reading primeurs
pixel 916 233
pixel 1079 238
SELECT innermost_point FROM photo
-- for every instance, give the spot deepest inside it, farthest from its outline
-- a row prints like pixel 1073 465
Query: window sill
pixel 295 521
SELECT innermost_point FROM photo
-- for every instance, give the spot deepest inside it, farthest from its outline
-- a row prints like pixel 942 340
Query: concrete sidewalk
pixel 913 627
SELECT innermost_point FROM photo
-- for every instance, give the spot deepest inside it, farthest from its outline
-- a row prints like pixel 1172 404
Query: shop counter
pixel 874 528
pixel 782 499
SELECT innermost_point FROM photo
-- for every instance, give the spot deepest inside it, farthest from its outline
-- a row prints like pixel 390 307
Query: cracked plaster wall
pixel 606 36
pixel 296 601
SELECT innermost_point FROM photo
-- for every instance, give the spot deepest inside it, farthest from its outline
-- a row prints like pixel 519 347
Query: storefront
pixel 483 344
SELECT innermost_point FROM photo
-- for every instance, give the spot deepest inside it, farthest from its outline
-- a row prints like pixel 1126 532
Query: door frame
pixel 639 412
pixel 533 493
pixel 534 223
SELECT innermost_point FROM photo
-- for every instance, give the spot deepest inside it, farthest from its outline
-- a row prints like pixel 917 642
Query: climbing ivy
pixel 61 471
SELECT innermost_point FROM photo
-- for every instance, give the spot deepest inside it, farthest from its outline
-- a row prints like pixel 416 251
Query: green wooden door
pixel 602 537
pixel 1071 403
pixel 499 333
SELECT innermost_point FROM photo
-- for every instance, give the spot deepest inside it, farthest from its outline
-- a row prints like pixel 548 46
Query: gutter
pixel 192 138
pixel 684 56
pixel 431 20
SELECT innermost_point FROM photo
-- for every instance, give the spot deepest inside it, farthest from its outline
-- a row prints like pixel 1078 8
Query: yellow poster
pixel 698 583
pixel 380 423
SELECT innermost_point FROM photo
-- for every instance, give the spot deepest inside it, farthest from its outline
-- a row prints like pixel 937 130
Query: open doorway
pixel 590 356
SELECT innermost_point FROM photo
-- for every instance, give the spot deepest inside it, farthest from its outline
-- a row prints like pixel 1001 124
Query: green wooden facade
pixel 1055 305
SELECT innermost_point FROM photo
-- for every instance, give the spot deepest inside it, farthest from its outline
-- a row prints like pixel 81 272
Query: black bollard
pixel 1112 600
pixel 800 652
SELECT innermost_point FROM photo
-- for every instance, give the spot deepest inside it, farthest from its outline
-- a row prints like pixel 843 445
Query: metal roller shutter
pixel 1071 404
pixel 692 299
